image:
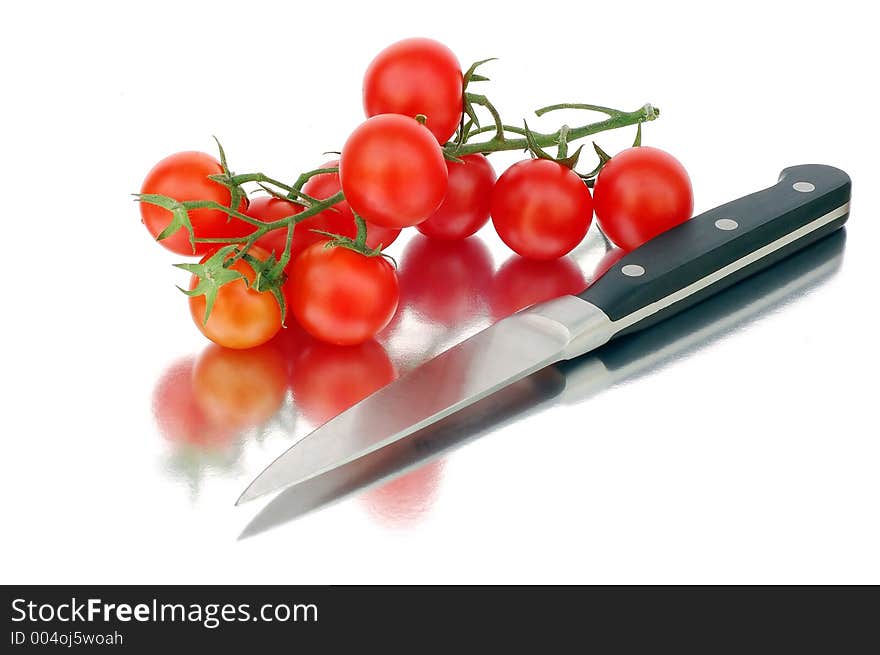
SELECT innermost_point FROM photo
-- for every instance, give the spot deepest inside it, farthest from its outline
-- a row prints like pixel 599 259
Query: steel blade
pixel 499 355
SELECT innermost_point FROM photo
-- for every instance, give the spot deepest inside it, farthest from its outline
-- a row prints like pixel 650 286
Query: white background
pixel 752 458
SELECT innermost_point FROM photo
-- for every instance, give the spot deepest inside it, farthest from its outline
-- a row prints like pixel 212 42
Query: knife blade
pixel 664 276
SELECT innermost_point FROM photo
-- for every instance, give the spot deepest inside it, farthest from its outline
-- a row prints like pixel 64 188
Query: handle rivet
pixel 726 224
pixel 803 187
pixel 633 270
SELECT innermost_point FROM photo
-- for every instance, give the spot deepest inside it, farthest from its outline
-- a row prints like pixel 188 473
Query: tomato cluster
pixel 313 249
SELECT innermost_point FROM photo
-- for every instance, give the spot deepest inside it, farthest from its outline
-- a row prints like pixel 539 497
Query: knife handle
pixel 712 251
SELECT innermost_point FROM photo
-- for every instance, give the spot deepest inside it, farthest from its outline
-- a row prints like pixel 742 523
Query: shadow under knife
pixel 571 382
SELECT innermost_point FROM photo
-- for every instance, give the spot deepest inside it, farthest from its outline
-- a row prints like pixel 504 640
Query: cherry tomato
pixel 184 176
pixel 521 282
pixel 640 193
pixel 445 281
pixel 239 389
pixel 541 209
pixel 327 379
pixel 342 296
pixel 340 221
pixel 392 171
pixel 178 414
pixel 242 317
pixel 468 200
pixel 417 76
pixel 269 209
pixel 336 220
pixel 406 499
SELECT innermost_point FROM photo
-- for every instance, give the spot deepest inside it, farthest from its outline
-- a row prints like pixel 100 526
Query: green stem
pixel 483 101
pixel 562 151
pixel 580 105
pixel 285 256
pixel 305 177
pixel 619 119
pixel 293 192
pixel 361 238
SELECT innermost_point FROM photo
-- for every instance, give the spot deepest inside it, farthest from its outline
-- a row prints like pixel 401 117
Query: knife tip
pixel 250 493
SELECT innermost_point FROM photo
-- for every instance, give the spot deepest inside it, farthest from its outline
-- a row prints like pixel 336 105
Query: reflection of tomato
pixel 184 176
pixel 178 415
pixel 468 199
pixel 290 342
pixel 328 379
pixel 446 281
pixel 404 500
pixel 239 388
pixel 610 259
pixel 522 282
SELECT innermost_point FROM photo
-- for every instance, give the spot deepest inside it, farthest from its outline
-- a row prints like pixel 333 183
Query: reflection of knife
pixel 671 272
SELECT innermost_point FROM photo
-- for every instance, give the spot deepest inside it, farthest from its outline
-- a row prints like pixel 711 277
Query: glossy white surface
pixel 738 446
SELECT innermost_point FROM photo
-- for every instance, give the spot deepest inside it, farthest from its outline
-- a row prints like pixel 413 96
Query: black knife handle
pixel 708 253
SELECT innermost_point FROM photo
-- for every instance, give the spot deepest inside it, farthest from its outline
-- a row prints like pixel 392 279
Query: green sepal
pixel 470 112
pixel 603 156
pixel 212 274
pixel 572 160
pixel 470 75
pixel 236 193
pixel 268 276
pixel 342 241
pixel 534 148
pixel 179 215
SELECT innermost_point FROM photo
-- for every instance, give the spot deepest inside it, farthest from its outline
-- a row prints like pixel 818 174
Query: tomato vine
pixel 214 271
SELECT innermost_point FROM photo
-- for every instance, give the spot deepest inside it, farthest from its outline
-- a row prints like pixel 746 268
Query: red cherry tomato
pixel 184 176
pixel 445 281
pixel 336 220
pixel 541 209
pixel 468 200
pixel 392 171
pixel 178 414
pixel 239 389
pixel 327 379
pixel 340 221
pixel 242 317
pixel 640 193
pixel 416 76
pixel 269 209
pixel 521 282
pixel 341 296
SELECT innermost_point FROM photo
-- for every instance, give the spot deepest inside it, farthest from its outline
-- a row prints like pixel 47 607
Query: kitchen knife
pixel 570 382
pixel 664 276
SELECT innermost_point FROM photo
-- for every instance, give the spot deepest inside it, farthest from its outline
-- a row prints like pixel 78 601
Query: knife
pixel 570 382
pixel 664 276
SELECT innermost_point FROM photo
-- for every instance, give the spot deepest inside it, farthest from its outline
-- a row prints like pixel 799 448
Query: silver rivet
pixel 803 187
pixel 726 224
pixel 633 270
